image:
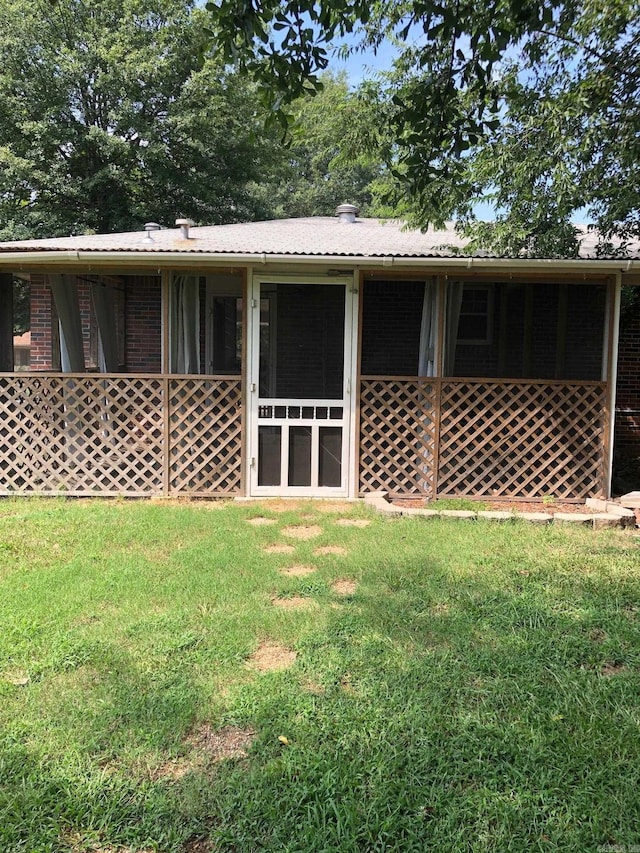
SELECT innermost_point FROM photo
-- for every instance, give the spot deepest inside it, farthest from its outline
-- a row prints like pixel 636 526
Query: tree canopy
pixel 332 156
pixel 111 114
pixel 530 102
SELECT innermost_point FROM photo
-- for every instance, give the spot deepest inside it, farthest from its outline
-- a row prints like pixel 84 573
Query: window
pixel 476 315
pixel 224 325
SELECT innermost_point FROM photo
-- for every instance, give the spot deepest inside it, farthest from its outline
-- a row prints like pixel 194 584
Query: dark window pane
pixel 299 456
pixel 302 341
pixel 269 455
pixel 226 356
pixel 330 462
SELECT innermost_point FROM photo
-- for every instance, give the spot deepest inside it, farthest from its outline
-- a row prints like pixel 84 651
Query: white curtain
pixel 65 295
pixel 104 307
pixel 428 331
pixel 185 325
pixel 453 305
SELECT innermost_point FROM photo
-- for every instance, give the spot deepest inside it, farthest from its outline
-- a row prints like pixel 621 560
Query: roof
pixel 305 237
pixel 23 340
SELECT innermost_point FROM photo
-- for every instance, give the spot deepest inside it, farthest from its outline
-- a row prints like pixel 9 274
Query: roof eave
pixel 30 259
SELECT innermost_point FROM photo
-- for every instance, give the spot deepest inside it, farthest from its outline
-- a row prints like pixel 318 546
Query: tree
pixel 531 101
pixel 111 114
pixel 333 155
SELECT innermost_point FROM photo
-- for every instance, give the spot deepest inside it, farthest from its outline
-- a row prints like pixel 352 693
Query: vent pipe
pixel 347 213
pixel 184 225
pixel 149 227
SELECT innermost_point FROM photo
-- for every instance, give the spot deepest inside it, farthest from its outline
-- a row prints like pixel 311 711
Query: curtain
pixel 428 330
pixel 184 325
pixel 65 295
pixel 104 307
pixel 453 304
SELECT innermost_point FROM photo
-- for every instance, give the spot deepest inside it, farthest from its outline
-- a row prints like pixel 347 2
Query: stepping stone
pixel 271 656
pixel 260 521
pixel 294 602
pixel 298 571
pixel 353 522
pixel 344 587
pixel 279 548
pixel 301 531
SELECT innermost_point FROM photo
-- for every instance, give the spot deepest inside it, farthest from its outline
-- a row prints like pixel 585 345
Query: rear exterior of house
pixel 314 357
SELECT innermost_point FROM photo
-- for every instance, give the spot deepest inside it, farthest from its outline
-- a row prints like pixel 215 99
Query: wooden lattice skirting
pixel 509 439
pixel 120 434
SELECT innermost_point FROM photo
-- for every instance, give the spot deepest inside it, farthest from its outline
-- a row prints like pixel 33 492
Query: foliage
pixel 111 115
pixel 333 155
pixel 531 102
pixel 478 690
pixel 21 306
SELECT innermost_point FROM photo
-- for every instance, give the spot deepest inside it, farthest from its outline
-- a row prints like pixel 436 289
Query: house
pixel 22 351
pixel 321 356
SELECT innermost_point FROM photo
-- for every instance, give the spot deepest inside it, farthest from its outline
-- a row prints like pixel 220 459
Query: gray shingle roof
pixel 312 236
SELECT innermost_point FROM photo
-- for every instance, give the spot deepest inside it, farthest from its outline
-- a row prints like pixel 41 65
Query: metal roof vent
pixel 347 213
pixel 184 225
pixel 149 227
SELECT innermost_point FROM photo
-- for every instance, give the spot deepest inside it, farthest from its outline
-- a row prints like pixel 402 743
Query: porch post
pixel 6 322
pixel 614 289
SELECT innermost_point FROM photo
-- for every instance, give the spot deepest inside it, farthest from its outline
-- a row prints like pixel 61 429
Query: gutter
pixel 18 261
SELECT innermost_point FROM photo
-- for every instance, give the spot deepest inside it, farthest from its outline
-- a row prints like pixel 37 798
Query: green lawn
pixel 475 688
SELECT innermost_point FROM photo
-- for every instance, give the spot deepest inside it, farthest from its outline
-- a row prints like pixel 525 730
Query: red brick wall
pixel 43 320
pixel 143 326
pixel 143 317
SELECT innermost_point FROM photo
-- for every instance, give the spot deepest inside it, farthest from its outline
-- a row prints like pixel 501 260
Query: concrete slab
pixel 458 513
pixel 496 515
pixel 535 517
pixel 597 504
pixel 609 519
pixel 631 500
pixel 573 518
pixel 419 511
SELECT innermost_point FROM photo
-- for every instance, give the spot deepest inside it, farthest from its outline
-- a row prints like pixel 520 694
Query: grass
pixel 478 691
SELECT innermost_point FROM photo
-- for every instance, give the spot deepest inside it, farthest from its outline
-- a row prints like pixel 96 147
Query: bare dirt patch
pixel 279 548
pixel 271 656
pixel 198 845
pixel 302 531
pixel 298 570
pixel 209 746
pixel 353 522
pixel 329 549
pixel 344 587
pixel 16 677
pixel 175 769
pixel 612 668
pixel 294 602
pixel 314 687
pixel 334 506
pixel 260 521
pixel 221 744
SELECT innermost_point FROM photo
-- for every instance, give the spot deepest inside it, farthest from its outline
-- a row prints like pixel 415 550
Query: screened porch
pixel 485 389
pixel 133 386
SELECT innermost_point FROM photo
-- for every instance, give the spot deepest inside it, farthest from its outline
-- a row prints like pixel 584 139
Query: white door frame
pixel 348 402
